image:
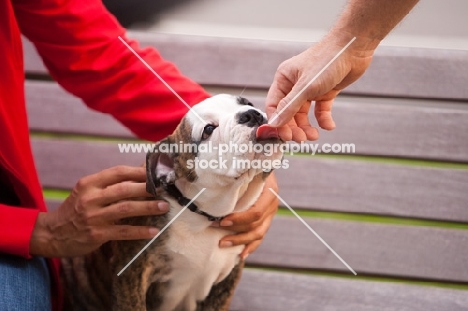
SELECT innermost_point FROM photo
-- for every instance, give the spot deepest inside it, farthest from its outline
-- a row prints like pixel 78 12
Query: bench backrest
pixel 397 209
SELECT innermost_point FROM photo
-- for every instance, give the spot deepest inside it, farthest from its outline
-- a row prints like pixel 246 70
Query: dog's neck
pixel 174 192
pixel 221 201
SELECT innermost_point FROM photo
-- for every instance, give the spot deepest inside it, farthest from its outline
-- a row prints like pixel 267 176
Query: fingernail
pixel 163 206
pixel 226 223
pixel 244 257
pixel 225 244
pixel 153 231
pixel 215 224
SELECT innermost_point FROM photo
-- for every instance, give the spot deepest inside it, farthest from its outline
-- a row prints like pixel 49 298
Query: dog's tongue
pixel 266 131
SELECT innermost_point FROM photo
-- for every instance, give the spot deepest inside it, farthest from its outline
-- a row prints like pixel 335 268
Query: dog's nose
pixel 251 118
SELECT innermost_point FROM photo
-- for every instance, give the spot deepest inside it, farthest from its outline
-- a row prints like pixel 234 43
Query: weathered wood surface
pixel 369 248
pixel 399 72
pixel 51 109
pixel 434 131
pixel 375 188
pixel 274 291
pixel 374 128
pixel 61 163
pixel 309 183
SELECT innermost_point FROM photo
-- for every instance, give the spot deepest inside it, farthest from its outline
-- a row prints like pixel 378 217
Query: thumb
pixel 288 106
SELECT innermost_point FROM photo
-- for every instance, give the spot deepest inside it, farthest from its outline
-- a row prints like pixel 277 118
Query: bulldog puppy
pixel 184 268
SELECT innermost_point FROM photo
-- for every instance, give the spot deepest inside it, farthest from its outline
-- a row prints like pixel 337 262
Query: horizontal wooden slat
pixel 51 109
pixel 61 163
pixel 376 249
pixel 369 248
pixel 273 291
pixel 411 131
pixel 402 72
pixel 317 183
pixel 375 188
pixel 422 253
pixel 392 250
pixel 405 130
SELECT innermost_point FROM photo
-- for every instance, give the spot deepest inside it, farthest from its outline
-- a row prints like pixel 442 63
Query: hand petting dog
pixel 85 220
pixel 252 225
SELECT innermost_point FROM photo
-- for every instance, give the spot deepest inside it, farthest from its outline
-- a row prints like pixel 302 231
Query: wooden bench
pixel 396 211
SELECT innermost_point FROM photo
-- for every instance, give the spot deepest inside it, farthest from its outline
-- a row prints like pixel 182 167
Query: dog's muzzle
pixel 251 118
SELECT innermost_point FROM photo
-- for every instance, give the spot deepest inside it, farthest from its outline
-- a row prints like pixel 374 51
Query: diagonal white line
pixel 162 80
pixel 160 232
pixel 312 230
pixel 311 81
pixel 245 87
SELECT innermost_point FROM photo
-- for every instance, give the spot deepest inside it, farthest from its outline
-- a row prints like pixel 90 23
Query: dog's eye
pixel 207 131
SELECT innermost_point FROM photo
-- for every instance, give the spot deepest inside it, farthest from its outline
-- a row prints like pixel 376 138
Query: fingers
pixel 112 185
pixel 285 96
pixel 280 87
pixel 273 97
pixel 298 134
pixel 122 191
pixel 295 86
pixel 116 175
pixel 249 249
pixel 323 114
pixel 285 133
pixel 127 209
pixel 288 107
pixel 242 221
pixel 266 205
pixel 298 128
pixel 86 219
pixel 241 238
pixel 302 121
pixel 323 109
pixel 247 237
pixel 253 223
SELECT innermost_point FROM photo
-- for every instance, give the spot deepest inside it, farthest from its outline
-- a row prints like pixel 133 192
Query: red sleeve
pixel 16 225
pixel 78 41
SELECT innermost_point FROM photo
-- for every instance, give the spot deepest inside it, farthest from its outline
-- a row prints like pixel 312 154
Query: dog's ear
pixel 159 164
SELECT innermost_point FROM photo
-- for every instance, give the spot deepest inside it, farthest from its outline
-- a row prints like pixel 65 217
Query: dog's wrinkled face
pixel 222 149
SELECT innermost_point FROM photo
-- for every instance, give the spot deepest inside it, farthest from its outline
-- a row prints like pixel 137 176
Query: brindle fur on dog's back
pixel 91 282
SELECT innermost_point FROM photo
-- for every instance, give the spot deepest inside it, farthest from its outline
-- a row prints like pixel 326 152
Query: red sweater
pixel 78 41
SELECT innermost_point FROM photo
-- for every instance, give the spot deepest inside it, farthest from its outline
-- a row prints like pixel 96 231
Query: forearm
pixel 78 41
pixel 370 21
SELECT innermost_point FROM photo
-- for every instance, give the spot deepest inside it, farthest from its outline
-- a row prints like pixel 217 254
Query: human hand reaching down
pixel 290 97
pixel 86 219
pixel 299 81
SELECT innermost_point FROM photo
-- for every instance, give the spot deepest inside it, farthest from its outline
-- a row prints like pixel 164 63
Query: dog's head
pixel 215 145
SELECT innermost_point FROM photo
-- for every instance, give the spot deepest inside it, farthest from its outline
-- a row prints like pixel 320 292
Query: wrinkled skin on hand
pixel 295 73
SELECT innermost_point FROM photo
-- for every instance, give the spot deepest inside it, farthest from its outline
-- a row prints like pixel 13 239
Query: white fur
pixel 198 262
